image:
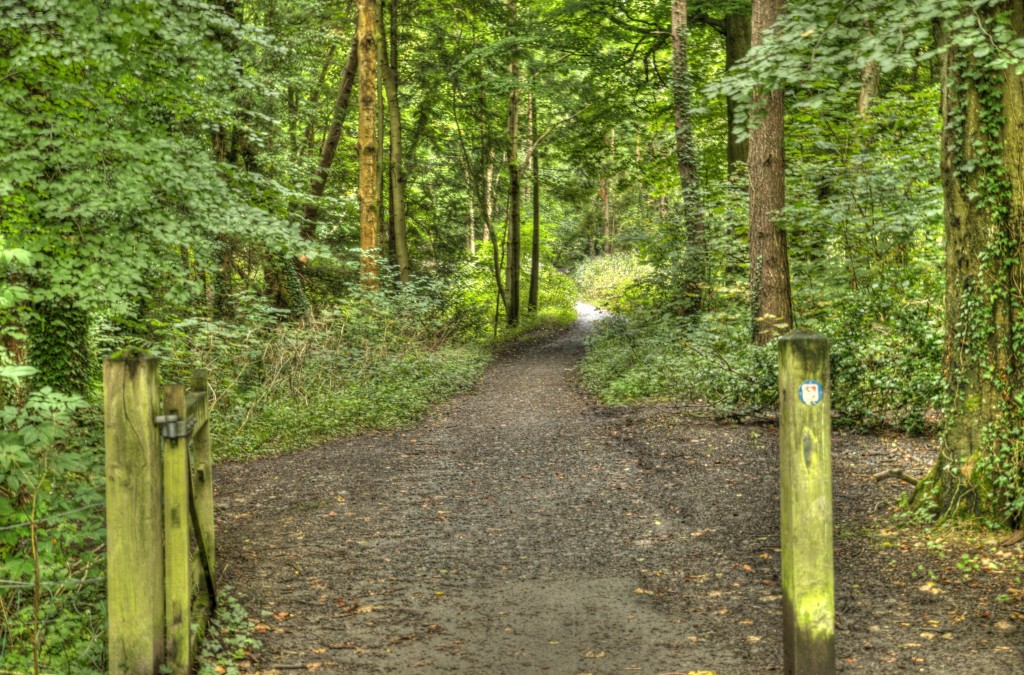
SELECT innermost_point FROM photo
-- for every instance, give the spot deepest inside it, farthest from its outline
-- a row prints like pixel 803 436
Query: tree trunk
pixel 978 472
pixel 488 196
pixel 868 87
pixel 769 259
pixel 695 269
pixel 737 44
pixel 366 148
pixel 533 301
pixel 514 191
pixel 397 175
pixel 472 226
pixel 384 239
pixel 330 147
pixel 58 346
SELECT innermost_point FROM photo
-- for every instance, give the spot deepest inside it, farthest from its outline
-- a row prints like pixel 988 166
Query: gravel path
pixel 523 528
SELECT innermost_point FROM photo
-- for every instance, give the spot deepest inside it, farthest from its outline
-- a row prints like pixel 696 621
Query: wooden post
pixel 177 538
pixel 805 447
pixel 203 464
pixel 135 561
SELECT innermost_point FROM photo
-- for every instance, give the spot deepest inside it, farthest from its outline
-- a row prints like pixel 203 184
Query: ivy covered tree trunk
pixel 769 259
pixel 980 469
pixel 366 147
pixel 58 347
pixel 695 263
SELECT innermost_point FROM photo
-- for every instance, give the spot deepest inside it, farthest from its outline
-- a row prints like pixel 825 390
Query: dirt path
pixel 524 529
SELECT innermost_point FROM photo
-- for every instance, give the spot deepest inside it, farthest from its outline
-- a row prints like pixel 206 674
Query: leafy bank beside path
pixel 524 528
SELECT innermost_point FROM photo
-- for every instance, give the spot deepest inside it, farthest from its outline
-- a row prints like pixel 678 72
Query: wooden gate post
pixel 177 535
pixel 805 449
pixel 135 557
pixel 203 485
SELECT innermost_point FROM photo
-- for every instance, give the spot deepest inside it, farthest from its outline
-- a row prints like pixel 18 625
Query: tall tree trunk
pixel 471 243
pixel 514 191
pixel 604 194
pixel 330 147
pixel 737 44
pixel 397 175
pixel 978 473
pixel 533 301
pixel 769 260
pixel 694 273
pixel 369 197
pixel 868 87
pixel 488 196
pixel 384 239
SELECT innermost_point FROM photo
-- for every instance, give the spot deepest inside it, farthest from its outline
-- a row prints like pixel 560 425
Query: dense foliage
pixel 181 177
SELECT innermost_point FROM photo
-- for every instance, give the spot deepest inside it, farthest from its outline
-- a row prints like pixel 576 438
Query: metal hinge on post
pixel 173 428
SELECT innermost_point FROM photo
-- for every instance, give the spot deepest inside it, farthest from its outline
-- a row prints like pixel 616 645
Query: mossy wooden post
pixel 135 560
pixel 203 464
pixel 805 448
pixel 177 538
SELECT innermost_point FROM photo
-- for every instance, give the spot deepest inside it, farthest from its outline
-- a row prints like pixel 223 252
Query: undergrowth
pixel 366 361
pixel 885 355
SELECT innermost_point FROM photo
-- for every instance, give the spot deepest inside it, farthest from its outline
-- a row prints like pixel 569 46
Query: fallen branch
pixel 895 473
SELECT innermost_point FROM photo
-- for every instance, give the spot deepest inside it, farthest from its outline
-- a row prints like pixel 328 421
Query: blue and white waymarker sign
pixel 811 392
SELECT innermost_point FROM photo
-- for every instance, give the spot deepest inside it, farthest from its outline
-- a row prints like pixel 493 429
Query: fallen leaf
pixel 644 591
pixel 593 655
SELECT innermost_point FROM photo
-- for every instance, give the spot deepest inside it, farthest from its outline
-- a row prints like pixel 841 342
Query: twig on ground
pixel 895 473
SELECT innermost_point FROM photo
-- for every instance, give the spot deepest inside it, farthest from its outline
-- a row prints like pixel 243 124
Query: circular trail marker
pixel 811 392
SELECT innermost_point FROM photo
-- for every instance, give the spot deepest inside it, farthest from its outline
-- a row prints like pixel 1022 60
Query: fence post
pixel 203 466
pixel 805 448
pixel 177 539
pixel 135 560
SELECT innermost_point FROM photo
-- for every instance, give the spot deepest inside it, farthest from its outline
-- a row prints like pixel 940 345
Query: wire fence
pixel 56 516
pixel 38 585
pixel 12 583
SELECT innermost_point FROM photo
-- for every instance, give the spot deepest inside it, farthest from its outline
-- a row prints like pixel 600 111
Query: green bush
pixel 375 360
pixel 880 378
pixel 645 357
